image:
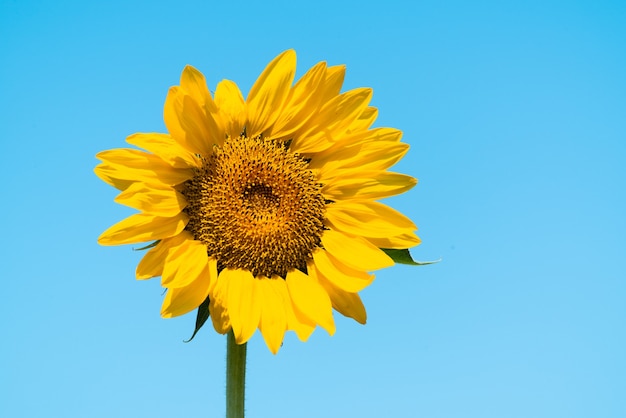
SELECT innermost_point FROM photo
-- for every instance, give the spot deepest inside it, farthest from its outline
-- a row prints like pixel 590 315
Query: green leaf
pixel 202 316
pixel 154 244
pixel 404 257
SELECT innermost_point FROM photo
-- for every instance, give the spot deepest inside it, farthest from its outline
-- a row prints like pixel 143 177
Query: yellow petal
pixel 365 120
pixel 189 124
pixel 134 166
pixel 303 327
pixel 173 101
pixel 368 185
pixel 269 92
pixel 352 161
pixel 105 175
pixel 368 219
pixel 375 137
pixel 219 317
pixel 180 301
pixel 132 158
pixel 340 112
pixel 273 317
pixel 332 120
pixel 165 147
pixel 143 228
pixel 155 200
pixel 339 274
pixel 311 142
pixel 243 304
pixel 232 108
pixel 151 265
pixel 217 307
pixel 301 104
pixel 185 263
pixel 198 134
pixel 365 151
pixel 310 299
pixel 211 133
pixel 331 86
pixel 346 303
pixel 397 241
pixel 121 177
pixel 355 252
pixel 194 83
pixel 328 88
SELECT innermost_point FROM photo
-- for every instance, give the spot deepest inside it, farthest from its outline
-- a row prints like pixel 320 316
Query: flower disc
pixel 256 207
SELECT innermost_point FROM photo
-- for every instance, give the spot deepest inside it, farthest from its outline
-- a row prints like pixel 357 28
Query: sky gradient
pixel 515 113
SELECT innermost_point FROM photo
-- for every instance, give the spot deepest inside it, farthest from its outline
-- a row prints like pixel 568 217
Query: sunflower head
pixel 264 211
pixel 256 206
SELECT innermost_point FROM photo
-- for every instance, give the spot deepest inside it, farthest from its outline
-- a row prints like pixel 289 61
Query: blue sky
pixel 515 112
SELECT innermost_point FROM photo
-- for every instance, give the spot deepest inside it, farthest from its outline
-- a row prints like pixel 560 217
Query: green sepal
pixel 201 317
pixel 404 257
pixel 154 244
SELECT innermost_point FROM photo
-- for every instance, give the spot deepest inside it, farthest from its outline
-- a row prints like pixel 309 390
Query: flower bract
pixel 266 207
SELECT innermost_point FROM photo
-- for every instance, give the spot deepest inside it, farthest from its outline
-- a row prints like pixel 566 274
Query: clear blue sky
pixel 516 116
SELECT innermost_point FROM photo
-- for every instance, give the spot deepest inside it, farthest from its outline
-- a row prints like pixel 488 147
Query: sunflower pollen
pixel 256 206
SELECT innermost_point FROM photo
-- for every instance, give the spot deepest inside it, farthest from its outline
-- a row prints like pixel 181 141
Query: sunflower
pixel 266 209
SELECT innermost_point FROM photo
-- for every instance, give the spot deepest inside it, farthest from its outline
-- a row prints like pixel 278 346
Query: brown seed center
pixel 256 206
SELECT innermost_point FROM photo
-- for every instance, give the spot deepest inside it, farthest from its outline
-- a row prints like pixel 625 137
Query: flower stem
pixel 235 377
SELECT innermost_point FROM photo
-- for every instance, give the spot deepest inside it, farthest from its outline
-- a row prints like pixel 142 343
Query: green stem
pixel 235 377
